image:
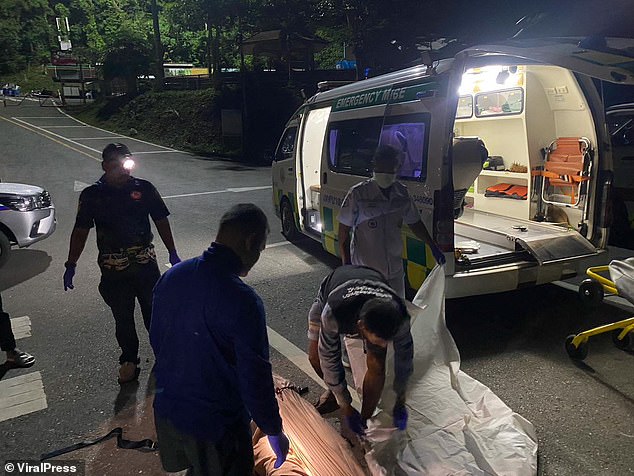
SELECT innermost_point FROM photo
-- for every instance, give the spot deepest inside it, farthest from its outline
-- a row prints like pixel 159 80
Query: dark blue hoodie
pixel 209 337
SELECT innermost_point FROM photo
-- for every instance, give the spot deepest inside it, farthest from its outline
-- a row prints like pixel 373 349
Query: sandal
pixel 128 372
pixel 327 403
pixel 20 360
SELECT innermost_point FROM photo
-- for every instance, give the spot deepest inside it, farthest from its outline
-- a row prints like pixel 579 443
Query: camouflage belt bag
pixel 121 261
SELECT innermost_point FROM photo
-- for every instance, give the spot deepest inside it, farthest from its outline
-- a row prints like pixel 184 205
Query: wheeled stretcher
pixel 591 291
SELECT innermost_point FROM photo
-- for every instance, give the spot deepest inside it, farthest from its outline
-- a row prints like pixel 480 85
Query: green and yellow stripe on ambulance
pixel 330 230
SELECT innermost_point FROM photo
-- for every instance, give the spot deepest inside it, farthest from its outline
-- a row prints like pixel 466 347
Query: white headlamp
pixel 128 163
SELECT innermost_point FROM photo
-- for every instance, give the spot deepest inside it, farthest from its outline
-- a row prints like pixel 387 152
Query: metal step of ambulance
pixel 504 239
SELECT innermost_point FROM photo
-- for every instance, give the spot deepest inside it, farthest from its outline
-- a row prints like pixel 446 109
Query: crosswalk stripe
pixel 21 327
pixel 21 395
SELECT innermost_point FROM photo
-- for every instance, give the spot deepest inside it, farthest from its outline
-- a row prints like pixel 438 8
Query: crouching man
pixel 356 302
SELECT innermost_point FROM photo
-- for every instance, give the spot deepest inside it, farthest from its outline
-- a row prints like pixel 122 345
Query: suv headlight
pixel 19 203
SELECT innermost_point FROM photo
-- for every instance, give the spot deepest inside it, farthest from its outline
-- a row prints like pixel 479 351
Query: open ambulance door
pixel 285 184
pixel 309 154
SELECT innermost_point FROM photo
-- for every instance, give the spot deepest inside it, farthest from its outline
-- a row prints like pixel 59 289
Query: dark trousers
pixel 7 340
pixel 119 290
pixel 231 456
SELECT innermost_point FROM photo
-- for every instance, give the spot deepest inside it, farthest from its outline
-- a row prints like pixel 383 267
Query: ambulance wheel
pixel 626 343
pixel 591 292
pixel 289 230
pixel 576 353
pixel 5 249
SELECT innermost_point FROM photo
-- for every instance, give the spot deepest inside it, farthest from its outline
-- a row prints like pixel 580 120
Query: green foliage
pixel 25 34
pixel 33 78
pixel 334 52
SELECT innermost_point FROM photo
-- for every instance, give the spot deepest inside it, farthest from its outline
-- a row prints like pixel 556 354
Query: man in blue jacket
pixel 212 366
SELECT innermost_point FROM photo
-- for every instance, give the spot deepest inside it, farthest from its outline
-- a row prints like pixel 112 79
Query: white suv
pixel 27 215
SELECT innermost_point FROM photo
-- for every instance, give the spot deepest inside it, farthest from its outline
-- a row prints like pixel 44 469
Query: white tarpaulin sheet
pixel 457 425
pixel 622 273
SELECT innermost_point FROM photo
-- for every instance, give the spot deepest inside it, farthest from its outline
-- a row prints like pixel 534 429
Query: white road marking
pixel 226 190
pixel 279 243
pixel 72 141
pixel 248 189
pixel 98 138
pixel 42 117
pixel 110 132
pixel 28 124
pixel 61 127
pixel 21 395
pixel 21 327
pixel 79 186
pixel 299 358
pixel 169 151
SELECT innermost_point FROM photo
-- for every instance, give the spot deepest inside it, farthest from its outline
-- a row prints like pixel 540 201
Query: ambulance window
pixel 287 145
pixel 499 103
pixel 351 145
pixel 465 107
pixel 408 134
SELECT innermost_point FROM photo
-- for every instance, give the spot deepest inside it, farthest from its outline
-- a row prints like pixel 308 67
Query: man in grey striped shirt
pixel 355 301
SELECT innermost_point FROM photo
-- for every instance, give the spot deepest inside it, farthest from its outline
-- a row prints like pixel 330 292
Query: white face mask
pixel 384 180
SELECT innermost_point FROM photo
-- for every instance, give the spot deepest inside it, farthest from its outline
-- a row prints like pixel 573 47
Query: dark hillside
pixel 191 120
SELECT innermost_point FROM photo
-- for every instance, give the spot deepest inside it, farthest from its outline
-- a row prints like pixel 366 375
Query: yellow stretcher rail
pixel 622 331
pixel 593 272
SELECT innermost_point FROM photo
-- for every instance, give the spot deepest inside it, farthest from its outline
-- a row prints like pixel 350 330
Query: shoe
pixel 327 403
pixel 128 372
pixel 19 360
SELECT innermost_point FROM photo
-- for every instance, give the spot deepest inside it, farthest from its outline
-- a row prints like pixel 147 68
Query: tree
pixel 158 47
pixel 128 61
pixel 25 34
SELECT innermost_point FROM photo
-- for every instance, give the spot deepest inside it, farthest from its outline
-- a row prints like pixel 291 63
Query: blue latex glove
pixel 400 417
pixel 355 422
pixel 174 259
pixel 69 274
pixel 279 444
pixel 438 255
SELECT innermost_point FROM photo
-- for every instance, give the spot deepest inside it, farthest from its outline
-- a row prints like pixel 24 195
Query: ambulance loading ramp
pixel 504 240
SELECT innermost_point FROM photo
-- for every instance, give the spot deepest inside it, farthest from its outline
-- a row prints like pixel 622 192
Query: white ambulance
pixel 505 153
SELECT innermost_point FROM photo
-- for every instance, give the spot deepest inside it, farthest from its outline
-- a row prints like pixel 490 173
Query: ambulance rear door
pixel 284 172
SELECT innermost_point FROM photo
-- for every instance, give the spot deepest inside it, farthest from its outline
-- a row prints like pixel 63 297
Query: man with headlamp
pixel 119 206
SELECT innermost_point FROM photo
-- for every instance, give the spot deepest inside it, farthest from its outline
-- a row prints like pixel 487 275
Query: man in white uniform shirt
pixel 371 217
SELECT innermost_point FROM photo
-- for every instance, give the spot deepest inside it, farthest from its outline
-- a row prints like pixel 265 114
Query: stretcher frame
pixel 591 291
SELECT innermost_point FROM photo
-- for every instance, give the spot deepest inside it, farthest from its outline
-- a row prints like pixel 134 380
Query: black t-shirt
pixel 348 288
pixel 120 214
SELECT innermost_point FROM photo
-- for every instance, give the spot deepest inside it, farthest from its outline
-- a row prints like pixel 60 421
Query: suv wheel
pixel 5 248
